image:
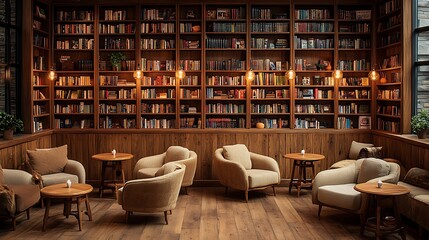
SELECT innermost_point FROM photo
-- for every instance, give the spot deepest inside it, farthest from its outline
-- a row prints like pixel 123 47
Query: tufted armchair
pixel 335 187
pixel 148 166
pixel 240 169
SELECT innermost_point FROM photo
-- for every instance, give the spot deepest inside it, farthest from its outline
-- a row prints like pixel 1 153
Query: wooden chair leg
pixel 165 216
pixel 127 215
pixel 28 213
pixel 320 210
pixel 186 190
pixel 246 195
pixel 13 223
pixel 274 190
pixel 171 212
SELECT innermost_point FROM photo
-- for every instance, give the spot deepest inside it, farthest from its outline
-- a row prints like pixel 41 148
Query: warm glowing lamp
pixel 250 75
pixel 337 74
pixel 373 75
pixel 180 74
pixel 291 74
pixel 138 73
pixel 52 75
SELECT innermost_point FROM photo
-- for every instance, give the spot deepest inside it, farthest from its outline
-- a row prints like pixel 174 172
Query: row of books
pixel 84 65
pixel 153 93
pixel 314 80
pixel 266 14
pixel 354 43
pixel 74 108
pixel 81 43
pixel 389 22
pixel 157 65
pixel 117 108
pixel 301 43
pixel 267 64
pixel 226 80
pixel 158 14
pixel 113 81
pixel 225 123
pixel 74 81
pixel 389 110
pixel 74 28
pixel 270 93
pixel 193 44
pixel 270 108
pixel 40 63
pixel 308 123
pixel 344 123
pixel 114 28
pixel 389 94
pixel 37 80
pixel 347 14
pixel 314 27
pixel 119 94
pixel 276 27
pixel 82 15
pixel 314 93
pixel 119 43
pixel 390 62
pixel 190 80
pixel 235 43
pixel 226 13
pixel 192 65
pixel 353 108
pixel 272 122
pixel 190 93
pixel 226 27
pixel 187 27
pixel 355 94
pixel 184 108
pixel 190 122
pixel 115 15
pixel 229 64
pixel 392 38
pixel 69 123
pixel 157 43
pixel 357 27
pixel 158 108
pixel 354 65
pixel 225 93
pixel 225 108
pixel 265 43
pixel 157 123
pixel 38 95
pixel 312 14
pixel 40 41
pixel 270 79
pixel 39 110
pixel 157 28
pixel 313 108
pixel 39 25
pixel 388 125
pixel 160 80
pixel 37 125
pixel 74 94
pixel 389 6
pixel 108 122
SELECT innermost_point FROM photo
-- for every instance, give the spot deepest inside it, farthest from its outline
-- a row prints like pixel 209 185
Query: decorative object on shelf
pixel 321 65
pixel 180 74
pixel 9 124
pixel 291 74
pixel 328 67
pixel 260 125
pixel 383 78
pixel 420 123
pixel 250 75
pixel 196 28
pixel 337 74
pixel 115 60
pixel 52 75
pixel 138 74
pixel 373 75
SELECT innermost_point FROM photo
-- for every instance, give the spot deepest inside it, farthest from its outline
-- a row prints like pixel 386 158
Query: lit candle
pixel 114 153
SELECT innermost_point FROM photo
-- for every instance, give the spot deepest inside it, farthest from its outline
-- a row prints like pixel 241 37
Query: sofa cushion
pixel 147 173
pixel 176 153
pixel 262 178
pixel 414 190
pixel 343 196
pixel 25 196
pixel 371 152
pixel 1 176
pixel 372 168
pixel 418 177
pixel 342 163
pixel 56 178
pixel 238 153
pixel 166 168
pixel 423 198
pixel 47 161
pixel 355 148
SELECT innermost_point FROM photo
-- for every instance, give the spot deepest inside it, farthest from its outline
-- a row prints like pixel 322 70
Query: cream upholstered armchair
pixel 18 194
pixel 335 187
pixel 150 195
pixel 240 169
pixel 148 166
pixel 51 166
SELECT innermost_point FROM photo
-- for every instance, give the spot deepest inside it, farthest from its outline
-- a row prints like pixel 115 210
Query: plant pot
pixel 260 125
pixel 8 134
pixel 422 134
pixel 117 68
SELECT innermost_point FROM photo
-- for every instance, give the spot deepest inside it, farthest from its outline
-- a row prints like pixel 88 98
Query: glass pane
pixel 2 10
pixel 423 43
pixel 2 45
pixel 2 90
pixel 423 87
pixel 13 12
pixel 423 13
pixel 13 93
pixel 13 44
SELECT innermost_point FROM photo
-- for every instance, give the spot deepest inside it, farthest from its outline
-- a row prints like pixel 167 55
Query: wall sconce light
pixel 291 74
pixel 337 74
pixel 138 73
pixel 180 74
pixel 52 75
pixel 373 75
pixel 250 75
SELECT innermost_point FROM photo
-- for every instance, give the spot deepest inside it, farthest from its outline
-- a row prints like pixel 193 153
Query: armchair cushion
pixel 166 168
pixel 342 196
pixel 418 177
pixel 373 168
pixel 147 172
pixel 238 153
pixel 371 152
pixel 175 153
pixel 47 161
pixel 25 196
pixel 355 148
pixel 55 178
pixel 261 178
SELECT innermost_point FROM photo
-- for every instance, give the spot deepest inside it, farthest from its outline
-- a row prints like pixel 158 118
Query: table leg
pixel 378 217
pixel 292 175
pixel 398 219
pixel 301 168
pixel 103 175
pixel 67 207
pixel 79 213
pixel 122 172
pixel 364 211
pixel 45 218
pixel 88 207
pixel 313 172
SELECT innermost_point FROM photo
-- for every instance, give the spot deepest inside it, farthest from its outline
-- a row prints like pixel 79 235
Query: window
pixel 421 55
pixel 10 66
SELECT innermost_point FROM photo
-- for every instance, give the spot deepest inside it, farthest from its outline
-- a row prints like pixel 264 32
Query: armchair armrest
pixel 155 161
pixel 392 177
pixel 264 162
pixel 231 174
pixel 344 175
pixel 76 168
pixel 17 177
pixel 191 167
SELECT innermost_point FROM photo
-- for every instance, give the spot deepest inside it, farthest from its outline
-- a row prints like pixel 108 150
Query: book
pixel 364 122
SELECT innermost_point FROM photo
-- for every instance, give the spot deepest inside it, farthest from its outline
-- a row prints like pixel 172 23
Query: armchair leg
pixel 320 210
pixel 13 223
pixel 171 212
pixel 165 216
pixel 274 190
pixel 28 213
pixel 186 190
pixel 127 215
pixel 246 195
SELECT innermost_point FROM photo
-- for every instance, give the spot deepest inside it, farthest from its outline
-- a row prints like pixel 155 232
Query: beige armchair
pixel 51 166
pixel 25 194
pixel 150 195
pixel 335 187
pixel 148 166
pixel 240 169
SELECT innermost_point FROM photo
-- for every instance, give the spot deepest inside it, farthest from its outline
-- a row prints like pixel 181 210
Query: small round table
pixel 387 190
pixel 302 161
pixel 79 191
pixel 114 162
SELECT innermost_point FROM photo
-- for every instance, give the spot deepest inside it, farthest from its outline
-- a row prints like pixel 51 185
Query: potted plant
pixel 115 60
pixel 420 123
pixel 9 124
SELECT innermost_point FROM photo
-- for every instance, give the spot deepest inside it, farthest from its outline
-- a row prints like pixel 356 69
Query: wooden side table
pixel 387 190
pixel 114 162
pixel 302 161
pixel 79 191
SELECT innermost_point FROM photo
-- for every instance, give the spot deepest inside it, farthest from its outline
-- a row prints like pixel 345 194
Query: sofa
pixel 415 205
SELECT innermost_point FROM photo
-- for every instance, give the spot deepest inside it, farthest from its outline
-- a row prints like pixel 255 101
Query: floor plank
pixel 205 213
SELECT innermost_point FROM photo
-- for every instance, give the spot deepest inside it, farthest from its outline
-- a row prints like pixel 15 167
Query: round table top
pixel 109 157
pixel 305 157
pixel 387 189
pixel 62 191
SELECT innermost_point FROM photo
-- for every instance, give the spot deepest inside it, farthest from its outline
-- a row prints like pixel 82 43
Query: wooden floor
pixel 205 213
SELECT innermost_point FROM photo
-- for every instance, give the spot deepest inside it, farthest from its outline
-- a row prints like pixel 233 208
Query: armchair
pixel 240 169
pixel 25 194
pixel 157 194
pixel 335 187
pixel 148 166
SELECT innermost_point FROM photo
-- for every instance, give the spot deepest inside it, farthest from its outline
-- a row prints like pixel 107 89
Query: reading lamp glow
pixel 138 73
pixel 290 74
pixel 52 75
pixel 373 75
pixel 180 74
pixel 337 74
pixel 250 75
